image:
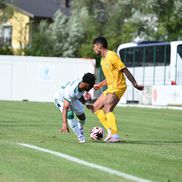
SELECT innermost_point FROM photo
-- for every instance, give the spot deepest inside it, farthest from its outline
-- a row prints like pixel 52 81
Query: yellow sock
pixel 112 120
pixel 102 118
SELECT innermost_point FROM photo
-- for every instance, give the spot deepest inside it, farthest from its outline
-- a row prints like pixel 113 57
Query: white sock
pixel 81 123
pixel 80 126
pixel 73 124
pixel 115 136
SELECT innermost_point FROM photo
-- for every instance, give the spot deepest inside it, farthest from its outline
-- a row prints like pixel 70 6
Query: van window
pixel 146 56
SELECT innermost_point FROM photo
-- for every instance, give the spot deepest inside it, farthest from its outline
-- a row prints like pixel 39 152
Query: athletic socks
pixel 102 118
pixel 113 125
pixel 73 124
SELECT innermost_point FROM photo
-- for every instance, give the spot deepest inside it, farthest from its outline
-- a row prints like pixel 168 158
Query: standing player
pixel 70 99
pixel 114 71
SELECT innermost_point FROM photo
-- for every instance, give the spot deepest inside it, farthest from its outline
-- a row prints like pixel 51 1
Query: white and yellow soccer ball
pixel 97 133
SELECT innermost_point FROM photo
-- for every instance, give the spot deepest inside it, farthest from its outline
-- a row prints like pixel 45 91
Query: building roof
pixel 40 8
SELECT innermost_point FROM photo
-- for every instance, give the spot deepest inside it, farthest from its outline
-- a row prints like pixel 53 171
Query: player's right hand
pixel 64 129
pixel 97 86
pixel 89 106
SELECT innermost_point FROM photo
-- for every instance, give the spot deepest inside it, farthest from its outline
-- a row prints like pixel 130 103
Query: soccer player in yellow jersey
pixel 114 71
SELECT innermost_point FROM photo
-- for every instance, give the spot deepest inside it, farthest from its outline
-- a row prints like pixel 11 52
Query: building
pixel 25 15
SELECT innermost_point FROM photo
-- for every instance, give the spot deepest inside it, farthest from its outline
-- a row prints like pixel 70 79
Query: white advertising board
pixel 167 95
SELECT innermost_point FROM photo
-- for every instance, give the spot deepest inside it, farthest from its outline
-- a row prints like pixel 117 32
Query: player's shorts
pixel 76 106
pixel 119 92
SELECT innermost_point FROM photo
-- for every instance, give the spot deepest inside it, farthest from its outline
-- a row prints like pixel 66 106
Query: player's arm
pixel 85 98
pixel 82 100
pixel 132 79
pixel 99 85
pixel 118 64
pixel 65 128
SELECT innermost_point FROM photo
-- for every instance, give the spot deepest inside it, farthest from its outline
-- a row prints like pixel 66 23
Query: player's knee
pixel 70 114
pixel 107 108
pixel 108 102
pixel 82 117
pixel 97 107
pixel 82 122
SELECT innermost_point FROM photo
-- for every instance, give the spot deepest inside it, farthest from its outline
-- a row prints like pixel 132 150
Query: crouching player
pixel 69 99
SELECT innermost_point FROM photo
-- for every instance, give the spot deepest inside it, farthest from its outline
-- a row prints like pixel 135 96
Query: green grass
pixel 152 148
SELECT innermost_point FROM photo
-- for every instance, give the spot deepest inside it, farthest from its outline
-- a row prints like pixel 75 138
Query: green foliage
pixel 41 44
pixel 7 12
pixel 59 33
pixel 67 34
pixel 88 17
pixel 6 50
pixel 163 20
pixel 116 14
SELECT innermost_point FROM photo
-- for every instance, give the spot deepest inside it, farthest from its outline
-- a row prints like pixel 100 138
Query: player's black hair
pixel 89 78
pixel 101 40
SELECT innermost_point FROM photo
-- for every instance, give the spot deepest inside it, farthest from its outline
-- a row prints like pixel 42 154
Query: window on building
pixel 5 35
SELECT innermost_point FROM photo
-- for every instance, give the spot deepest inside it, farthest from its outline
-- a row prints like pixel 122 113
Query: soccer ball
pixel 96 133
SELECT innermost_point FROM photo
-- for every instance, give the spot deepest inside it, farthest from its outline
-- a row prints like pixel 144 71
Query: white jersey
pixel 70 91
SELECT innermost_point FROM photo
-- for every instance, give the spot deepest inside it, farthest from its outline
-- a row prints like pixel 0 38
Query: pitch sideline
pixel 85 163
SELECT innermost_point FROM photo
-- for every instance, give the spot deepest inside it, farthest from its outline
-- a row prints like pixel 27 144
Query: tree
pixel 117 13
pixel 67 34
pixel 88 13
pixel 6 12
pixel 41 43
pixel 169 19
pixel 154 20
pixel 59 33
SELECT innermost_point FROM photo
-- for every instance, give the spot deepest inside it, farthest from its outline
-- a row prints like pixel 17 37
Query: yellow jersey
pixel 111 67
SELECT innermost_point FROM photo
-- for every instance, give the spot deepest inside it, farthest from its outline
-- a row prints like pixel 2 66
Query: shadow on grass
pixel 19 125
pixel 156 142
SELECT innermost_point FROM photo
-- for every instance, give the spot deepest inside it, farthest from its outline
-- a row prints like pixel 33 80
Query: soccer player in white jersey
pixel 70 99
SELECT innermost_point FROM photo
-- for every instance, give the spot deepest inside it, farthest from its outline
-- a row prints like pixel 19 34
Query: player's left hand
pixel 139 87
pixel 87 96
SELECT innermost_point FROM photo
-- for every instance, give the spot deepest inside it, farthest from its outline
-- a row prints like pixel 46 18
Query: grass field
pixel 152 147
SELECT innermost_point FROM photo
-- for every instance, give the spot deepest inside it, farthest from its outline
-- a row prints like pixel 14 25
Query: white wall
pixel 37 78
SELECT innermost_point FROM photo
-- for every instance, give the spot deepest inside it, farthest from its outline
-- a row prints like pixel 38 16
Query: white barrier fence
pixel 165 95
pixel 38 78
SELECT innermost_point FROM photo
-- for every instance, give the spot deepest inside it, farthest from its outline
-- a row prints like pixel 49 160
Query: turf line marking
pixel 85 163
